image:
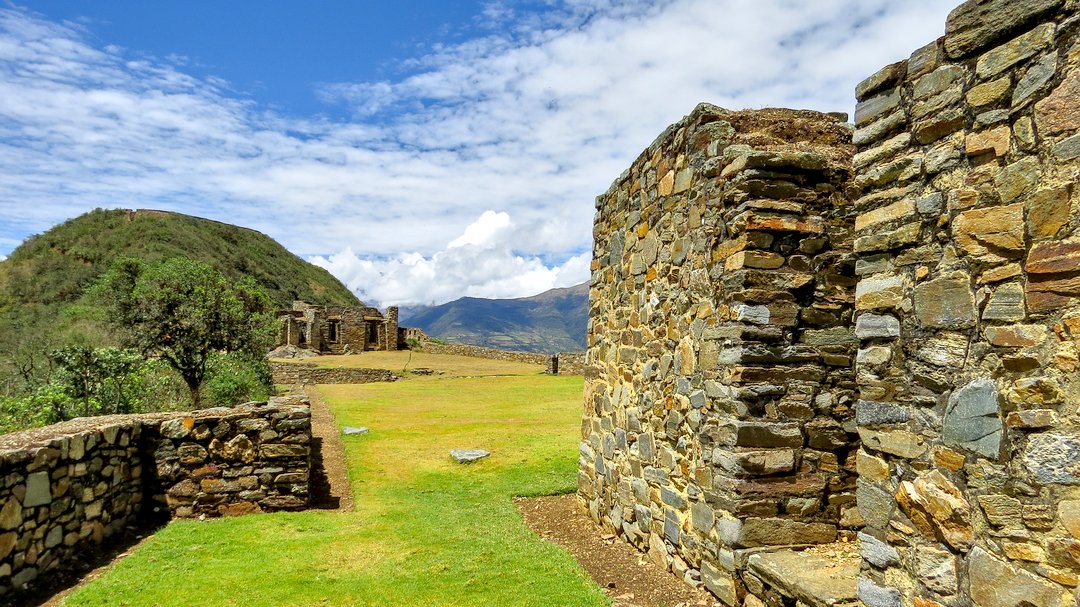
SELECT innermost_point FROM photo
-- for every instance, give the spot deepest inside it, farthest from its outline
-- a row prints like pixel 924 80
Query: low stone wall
pixel 252 458
pixel 69 487
pixel 490 353
pixel 305 373
pixel 64 493
pixel 566 363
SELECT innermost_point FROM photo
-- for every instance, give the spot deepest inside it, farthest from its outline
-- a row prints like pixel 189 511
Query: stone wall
pixel 566 363
pixel 68 488
pixel 719 397
pixel 230 461
pixel 490 353
pixel 306 373
pixel 968 313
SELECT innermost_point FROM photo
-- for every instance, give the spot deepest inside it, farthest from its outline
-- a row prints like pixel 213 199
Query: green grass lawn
pixel 425 531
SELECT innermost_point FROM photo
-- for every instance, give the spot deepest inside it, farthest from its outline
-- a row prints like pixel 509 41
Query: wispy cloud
pixel 513 132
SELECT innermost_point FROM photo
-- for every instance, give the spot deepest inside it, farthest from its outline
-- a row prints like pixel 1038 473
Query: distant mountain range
pixel 553 321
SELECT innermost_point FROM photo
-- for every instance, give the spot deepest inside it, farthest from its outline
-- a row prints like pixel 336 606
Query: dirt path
pixel 625 574
pixel 329 484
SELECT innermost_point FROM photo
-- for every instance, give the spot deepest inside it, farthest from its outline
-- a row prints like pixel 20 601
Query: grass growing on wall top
pixel 426 531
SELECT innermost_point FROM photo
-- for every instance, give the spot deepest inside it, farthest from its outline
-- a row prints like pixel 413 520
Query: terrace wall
pixel 68 488
pixel 305 373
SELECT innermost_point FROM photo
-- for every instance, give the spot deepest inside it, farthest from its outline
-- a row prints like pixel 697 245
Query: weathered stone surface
pixel 354 431
pixel 1053 458
pixel 1069 514
pixel 1056 113
pixel 766 434
pixel 899 210
pixel 897 442
pixel 177 428
pixel 888 240
pixel 1054 258
pixel 993 141
pixel 1017 178
pixel 939 125
pixel 755 463
pixel 813 580
pixel 938 509
pixel 936 569
pixel 945 350
pixel 871 109
pixel 875 505
pixel 995 583
pixel 752 531
pixel 946 302
pixel 1001 58
pixel 11 514
pixel 873 413
pixel 1068 148
pixel 1032 419
pixel 973 26
pixel 276 451
pixel 1037 76
pixel 720 583
pixel 1006 304
pixel 876 552
pixel 988 93
pixel 880 293
pixel 468 456
pixel 972 419
pixel 1035 392
pixel 873 595
pixel 1016 336
pixel 887 77
pixel 38 490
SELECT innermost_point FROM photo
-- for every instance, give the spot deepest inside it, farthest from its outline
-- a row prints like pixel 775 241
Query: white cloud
pixel 528 123
pixel 479 263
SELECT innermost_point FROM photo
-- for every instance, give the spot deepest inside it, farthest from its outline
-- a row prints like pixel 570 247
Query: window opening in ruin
pixel 303 337
pixel 372 333
pixel 332 330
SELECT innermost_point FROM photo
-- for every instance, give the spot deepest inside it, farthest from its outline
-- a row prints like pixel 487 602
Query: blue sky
pixel 420 150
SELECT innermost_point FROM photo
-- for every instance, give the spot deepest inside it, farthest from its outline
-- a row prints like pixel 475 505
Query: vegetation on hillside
pixel 51 317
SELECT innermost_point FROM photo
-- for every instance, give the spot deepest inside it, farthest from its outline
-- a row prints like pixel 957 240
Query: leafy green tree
pixel 182 311
pixel 102 380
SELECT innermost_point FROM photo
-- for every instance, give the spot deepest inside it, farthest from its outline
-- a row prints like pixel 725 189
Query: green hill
pixel 553 321
pixel 43 281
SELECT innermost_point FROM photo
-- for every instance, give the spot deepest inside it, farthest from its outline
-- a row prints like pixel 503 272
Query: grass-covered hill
pixel 553 321
pixel 43 281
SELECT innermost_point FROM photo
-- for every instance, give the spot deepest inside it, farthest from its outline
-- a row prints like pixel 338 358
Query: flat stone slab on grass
pixel 351 431
pixel 822 576
pixel 468 456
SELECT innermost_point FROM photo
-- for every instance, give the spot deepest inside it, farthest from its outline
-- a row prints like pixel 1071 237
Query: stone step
pixel 821 576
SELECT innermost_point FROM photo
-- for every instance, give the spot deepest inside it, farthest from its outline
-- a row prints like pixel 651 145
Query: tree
pixel 181 311
pixel 99 378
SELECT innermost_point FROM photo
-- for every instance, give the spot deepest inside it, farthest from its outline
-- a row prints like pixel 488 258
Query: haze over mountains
pixel 553 321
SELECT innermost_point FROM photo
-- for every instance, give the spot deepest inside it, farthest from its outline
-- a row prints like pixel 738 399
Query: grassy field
pixel 426 531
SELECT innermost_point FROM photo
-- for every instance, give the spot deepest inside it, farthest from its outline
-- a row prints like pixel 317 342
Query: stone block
pixel 972 420
pixel 1016 336
pixel 754 463
pixel 876 552
pixel 977 24
pixel 720 583
pixel 1037 76
pixel 890 239
pixel 1017 178
pixel 752 532
pixel 945 303
pixel 1054 258
pixel 1053 458
pixel 870 326
pixel 1024 46
pixel 880 293
pixel 993 141
pixel 996 583
pixel 1056 113
pixel 38 490
pixel 874 413
pixel 989 93
pixel 873 595
pixel 873 108
pixel 896 442
pixel 766 434
pixel 1006 304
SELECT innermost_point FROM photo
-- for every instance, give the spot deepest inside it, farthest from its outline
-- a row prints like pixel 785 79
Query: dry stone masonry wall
pixel 69 488
pixel 531 358
pixel 305 373
pixel 720 393
pixel 969 313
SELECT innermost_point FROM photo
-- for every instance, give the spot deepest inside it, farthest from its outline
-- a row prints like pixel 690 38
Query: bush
pixel 235 378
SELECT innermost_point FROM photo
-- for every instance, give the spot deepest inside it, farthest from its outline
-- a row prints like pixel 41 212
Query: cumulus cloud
pixel 481 262
pixel 496 145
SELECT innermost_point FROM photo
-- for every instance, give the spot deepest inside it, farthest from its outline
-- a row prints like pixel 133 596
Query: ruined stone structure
pixel 719 398
pixel 339 329
pixel 969 313
pixel 70 487
pixel 744 391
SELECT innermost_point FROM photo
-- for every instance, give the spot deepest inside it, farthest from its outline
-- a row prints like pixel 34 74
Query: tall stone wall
pixel 68 488
pixel 968 313
pixel 719 397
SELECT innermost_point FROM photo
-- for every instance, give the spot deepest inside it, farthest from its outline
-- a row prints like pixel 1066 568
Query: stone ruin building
pixel 800 332
pixel 339 329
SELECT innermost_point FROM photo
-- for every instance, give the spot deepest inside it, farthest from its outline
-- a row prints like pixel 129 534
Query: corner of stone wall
pixel 969 313
pixel 719 398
